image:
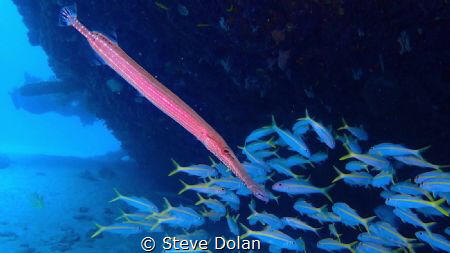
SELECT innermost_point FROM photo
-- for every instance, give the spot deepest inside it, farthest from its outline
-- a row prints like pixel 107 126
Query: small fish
pixel 390 149
pixel 419 162
pixel 296 160
pixel 301 245
pixel 230 9
pixel 349 216
pixel 407 201
pixel 352 144
pixel 202 188
pixel 200 170
pixel 386 214
pixel 431 175
pixel 195 235
pixel 161 6
pixel 280 143
pixel 147 225
pixel 174 221
pixel 431 212
pixel 182 10
pixel 294 187
pixel 308 91
pixel 231 199
pixel 356 166
pixel 447 231
pixel 318 157
pixel 294 142
pixel 388 232
pixel 260 145
pixel 410 189
pixel 119 228
pixel 223 170
pixel 304 207
pixel 367 247
pixel 189 248
pixel 436 185
pixel 382 179
pixel 142 204
pixel 325 217
pixel 371 238
pixel 212 204
pixel 355 178
pixel 182 212
pixel 264 218
pixel 281 168
pixel 252 157
pixel 298 224
pixel 243 192
pixel 230 183
pixel 264 154
pixel 300 127
pixel 273 237
pixel 322 132
pixel 387 194
pixel 445 195
pixel 334 232
pixel 212 215
pixel 232 224
pixel 131 216
pixel 375 161
pixel 263 179
pixel 202 25
pixel 358 132
pixel 37 200
pixel 283 58
pixel 436 241
pixel 273 197
pixel 259 133
pixel 407 216
pixel 257 169
pixel 330 244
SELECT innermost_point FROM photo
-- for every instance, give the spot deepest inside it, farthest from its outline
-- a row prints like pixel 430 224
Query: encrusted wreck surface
pixel 237 62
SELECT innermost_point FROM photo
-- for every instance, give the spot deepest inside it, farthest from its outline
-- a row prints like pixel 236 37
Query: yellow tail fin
pixel 185 187
pixel 307 117
pixel 177 168
pixel 247 233
pixel 420 150
pixel 344 125
pixel 200 201
pixel 366 222
pixel 437 204
pixel 118 196
pixel 325 192
pixel 350 246
pixel 271 142
pixel 213 163
pixel 122 214
pixel 274 124
pixel 340 175
pixel 167 203
pixel 350 153
pixel 99 231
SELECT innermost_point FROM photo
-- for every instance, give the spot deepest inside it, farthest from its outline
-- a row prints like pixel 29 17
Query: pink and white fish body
pixel 162 98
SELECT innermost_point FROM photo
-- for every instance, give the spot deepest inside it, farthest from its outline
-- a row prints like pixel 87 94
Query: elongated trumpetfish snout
pixel 67 15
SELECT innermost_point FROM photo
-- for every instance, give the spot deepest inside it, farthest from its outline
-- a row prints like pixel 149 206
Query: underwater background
pixel 73 130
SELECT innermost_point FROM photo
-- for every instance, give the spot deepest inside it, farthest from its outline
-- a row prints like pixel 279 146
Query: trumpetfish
pixel 162 97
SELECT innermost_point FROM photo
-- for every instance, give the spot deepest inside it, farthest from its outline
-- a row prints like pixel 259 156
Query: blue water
pixel 63 153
